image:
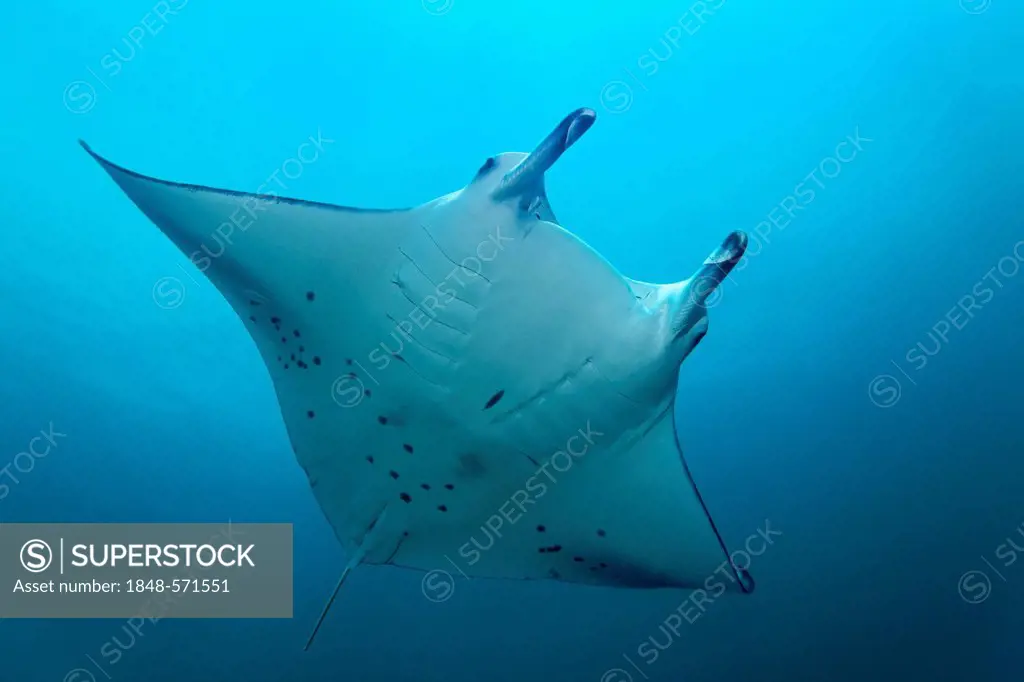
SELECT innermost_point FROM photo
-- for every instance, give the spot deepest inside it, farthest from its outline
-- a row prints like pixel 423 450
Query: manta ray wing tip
pixel 88 149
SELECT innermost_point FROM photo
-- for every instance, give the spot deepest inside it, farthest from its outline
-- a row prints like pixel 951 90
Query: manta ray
pixel 466 384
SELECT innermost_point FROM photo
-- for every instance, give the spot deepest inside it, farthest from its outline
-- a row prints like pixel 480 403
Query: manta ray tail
pixel 369 542
pixel 356 559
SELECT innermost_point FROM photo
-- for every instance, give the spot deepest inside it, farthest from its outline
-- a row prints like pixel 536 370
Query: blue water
pixel 807 405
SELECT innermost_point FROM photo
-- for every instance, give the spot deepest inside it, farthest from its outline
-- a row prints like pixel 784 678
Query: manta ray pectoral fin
pixel 276 246
pixel 312 283
pixel 629 516
pixel 643 291
pixel 655 528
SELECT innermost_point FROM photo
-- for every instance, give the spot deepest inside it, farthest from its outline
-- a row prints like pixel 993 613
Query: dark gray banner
pixel 140 570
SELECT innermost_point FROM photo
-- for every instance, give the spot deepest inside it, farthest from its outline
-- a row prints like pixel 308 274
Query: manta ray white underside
pixel 466 382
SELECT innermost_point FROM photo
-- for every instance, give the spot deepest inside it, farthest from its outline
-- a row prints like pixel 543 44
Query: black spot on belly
pixel 252 302
pixel 425 486
pixel 407 448
pixel 449 486
pixel 302 349
pixel 554 548
pixel 310 414
pixel 577 559
pixel 310 295
pixel 369 458
pixel 393 474
pixel 316 359
pixel 348 361
pixel 252 318
pixel 284 339
pixel 494 399
pixel 541 529
pixel 293 357
pixel 296 333
pixel 600 533
pixel 367 393
pixel 382 420
pixel 405 498
pixel 442 508
pixel 286 365
pixel 275 320
pixel 472 465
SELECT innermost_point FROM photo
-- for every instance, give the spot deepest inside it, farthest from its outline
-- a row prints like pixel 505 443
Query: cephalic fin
pixel 717 267
pixel 692 300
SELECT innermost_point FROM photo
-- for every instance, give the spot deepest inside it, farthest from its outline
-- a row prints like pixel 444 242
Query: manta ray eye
pixel 488 165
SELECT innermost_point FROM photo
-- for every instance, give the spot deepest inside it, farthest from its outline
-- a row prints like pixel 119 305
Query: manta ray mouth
pixel 529 173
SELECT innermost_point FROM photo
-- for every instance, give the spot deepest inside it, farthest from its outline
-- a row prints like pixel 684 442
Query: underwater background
pixel 847 394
